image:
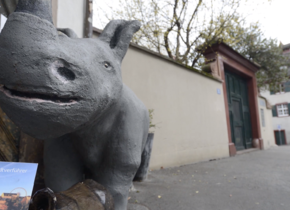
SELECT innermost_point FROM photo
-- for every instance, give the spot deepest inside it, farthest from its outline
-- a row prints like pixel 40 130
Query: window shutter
pixel 287 87
pixel 289 109
pixel 274 111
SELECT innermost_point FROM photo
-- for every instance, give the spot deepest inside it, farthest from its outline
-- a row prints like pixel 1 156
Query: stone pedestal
pixel 232 149
pixel 261 143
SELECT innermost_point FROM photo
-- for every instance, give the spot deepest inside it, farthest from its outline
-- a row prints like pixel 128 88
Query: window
pixel 263 118
pixel 282 110
pixel 287 86
pixel 281 88
pixel 262 102
pixel 274 89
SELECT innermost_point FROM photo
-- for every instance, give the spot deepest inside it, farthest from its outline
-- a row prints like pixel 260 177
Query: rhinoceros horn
pixel 40 8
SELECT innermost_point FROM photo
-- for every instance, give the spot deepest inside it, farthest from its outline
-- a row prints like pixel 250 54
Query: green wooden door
pixel 239 111
pixel 280 137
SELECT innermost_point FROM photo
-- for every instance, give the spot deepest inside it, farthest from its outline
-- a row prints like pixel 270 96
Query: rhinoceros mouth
pixel 40 97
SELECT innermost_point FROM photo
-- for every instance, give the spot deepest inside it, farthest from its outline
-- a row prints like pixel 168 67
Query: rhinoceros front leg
pixel 63 167
pixel 118 179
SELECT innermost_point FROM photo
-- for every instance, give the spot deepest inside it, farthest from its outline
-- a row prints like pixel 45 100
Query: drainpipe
pixel 89 19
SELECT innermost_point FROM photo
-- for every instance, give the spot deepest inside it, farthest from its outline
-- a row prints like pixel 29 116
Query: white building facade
pixel 280 101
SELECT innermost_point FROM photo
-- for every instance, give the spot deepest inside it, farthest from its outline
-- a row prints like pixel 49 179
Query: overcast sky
pixel 273 17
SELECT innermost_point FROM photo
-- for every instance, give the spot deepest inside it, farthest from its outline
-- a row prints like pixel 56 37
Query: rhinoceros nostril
pixel 66 73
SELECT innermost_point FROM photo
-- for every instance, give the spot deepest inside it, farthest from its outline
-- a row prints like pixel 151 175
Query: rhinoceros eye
pixel 107 65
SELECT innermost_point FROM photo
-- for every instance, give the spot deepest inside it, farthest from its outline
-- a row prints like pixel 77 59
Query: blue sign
pixel 218 91
pixel 16 184
pixel 279 127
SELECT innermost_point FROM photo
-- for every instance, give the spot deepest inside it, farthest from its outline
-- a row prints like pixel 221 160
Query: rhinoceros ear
pixel 40 8
pixel 118 34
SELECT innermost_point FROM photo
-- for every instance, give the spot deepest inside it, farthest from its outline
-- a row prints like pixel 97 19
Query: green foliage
pixel 151 125
pixel 251 43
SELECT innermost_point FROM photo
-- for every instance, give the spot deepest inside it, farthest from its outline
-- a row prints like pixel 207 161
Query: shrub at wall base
pixel 142 172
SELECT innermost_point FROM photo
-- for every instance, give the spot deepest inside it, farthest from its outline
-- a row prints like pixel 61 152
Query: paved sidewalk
pixel 258 180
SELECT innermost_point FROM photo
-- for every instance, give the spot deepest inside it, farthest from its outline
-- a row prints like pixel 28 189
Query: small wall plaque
pixel 218 91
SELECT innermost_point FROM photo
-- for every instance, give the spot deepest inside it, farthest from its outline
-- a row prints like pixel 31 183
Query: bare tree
pixel 176 27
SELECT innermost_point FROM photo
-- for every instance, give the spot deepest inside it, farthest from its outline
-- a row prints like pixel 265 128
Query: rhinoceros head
pixel 53 83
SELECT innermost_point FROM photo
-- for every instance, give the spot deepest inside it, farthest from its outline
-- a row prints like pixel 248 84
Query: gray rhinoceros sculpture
pixel 69 92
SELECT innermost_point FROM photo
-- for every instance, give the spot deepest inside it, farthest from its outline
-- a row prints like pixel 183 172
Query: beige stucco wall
pixel 71 14
pixel 188 111
pixel 266 130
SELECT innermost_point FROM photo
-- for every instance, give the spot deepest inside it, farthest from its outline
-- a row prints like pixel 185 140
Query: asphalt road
pixel 259 180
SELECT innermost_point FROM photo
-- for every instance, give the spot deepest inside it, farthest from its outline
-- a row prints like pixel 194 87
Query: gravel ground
pixel 259 180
